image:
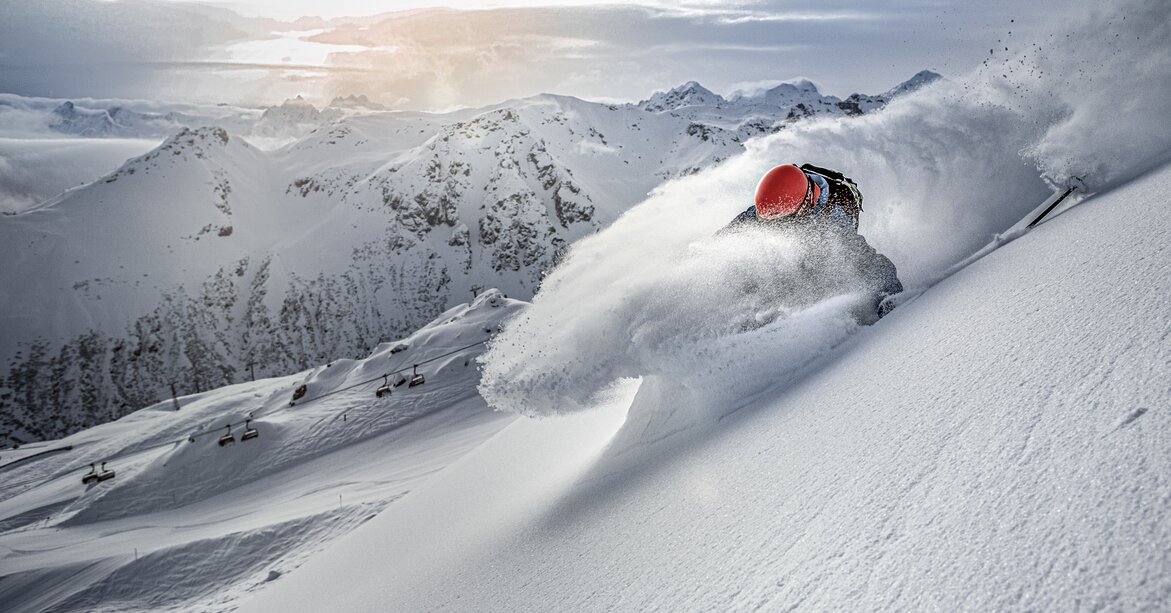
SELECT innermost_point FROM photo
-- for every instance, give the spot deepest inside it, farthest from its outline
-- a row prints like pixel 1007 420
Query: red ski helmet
pixel 782 191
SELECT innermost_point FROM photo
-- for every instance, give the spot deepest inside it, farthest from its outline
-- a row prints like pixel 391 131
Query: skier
pixel 822 206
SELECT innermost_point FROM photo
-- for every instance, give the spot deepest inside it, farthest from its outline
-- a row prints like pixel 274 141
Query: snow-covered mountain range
pixel 209 261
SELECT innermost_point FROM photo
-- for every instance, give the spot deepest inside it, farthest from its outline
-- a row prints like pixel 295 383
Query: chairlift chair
pixel 416 377
pixel 249 432
pixel 298 394
pixel 228 439
pixel 384 389
pixel 105 474
pixel 91 476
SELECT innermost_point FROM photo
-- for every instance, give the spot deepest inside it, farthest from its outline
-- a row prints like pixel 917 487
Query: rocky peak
pixel 690 93
pixel 921 79
pixel 355 101
pixel 791 93
pixel 297 110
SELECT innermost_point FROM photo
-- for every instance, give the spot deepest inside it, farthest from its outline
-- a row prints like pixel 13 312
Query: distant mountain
pixel 119 121
pixel 209 261
pixel 356 102
pixel 750 114
pixel 293 118
pixel 688 94
pixel 68 118
pixel 921 79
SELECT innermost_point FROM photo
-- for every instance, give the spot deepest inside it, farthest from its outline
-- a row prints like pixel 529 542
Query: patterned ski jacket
pixel 831 235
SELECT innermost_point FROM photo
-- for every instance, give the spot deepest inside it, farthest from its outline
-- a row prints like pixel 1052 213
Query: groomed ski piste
pixel 676 436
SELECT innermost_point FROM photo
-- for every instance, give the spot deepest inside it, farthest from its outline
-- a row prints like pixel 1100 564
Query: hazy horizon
pixel 254 52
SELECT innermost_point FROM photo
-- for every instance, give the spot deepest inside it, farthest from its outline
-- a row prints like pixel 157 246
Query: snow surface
pixel 190 524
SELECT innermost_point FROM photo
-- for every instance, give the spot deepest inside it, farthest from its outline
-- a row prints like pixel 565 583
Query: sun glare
pixel 292 9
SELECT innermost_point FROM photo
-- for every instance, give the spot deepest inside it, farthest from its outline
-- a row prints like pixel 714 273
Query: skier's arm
pixel 878 268
pixel 742 220
pixel 889 275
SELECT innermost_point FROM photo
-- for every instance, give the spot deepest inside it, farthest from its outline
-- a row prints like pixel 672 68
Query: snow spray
pixel 943 170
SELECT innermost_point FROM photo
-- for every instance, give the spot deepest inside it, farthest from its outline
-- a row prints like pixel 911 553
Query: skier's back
pixel 822 205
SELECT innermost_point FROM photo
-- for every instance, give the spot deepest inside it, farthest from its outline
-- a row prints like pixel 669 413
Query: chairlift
pixel 384 389
pixel 249 432
pixel 91 476
pixel 106 473
pixel 416 377
pixel 228 439
pixel 298 394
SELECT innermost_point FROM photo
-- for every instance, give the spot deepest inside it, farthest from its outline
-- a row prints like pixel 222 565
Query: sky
pixel 422 57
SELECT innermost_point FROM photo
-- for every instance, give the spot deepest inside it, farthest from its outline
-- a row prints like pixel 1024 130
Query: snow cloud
pixel 1101 92
pixel 943 170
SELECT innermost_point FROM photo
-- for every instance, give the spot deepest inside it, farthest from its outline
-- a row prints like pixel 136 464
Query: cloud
pixel 437 58
pixel 625 52
pixel 34 170
pixel 69 48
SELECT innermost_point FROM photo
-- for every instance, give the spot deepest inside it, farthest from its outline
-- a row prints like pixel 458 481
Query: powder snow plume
pixel 943 170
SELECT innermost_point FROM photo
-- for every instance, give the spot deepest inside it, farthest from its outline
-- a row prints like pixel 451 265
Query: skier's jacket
pixel 831 229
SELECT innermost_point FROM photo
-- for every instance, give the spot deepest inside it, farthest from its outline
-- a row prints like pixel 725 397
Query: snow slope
pixel 35 170
pixel 1001 442
pixel 997 443
pixel 255 509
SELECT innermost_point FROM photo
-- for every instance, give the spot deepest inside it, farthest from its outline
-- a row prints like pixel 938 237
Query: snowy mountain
pixel 749 114
pixel 688 94
pixel 921 79
pixel 208 260
pixel 294 118
pixel 356 101
pixel 213 501
pixel 121 122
